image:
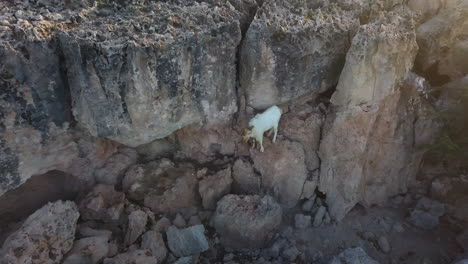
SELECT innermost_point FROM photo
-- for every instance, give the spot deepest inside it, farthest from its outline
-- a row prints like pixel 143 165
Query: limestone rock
pixel 353 256
pixel 154 242
pixel 114 168
pixel 188 241
pixel 245 181
pixel 291 52
pixel 90 249
pixel 442 47
pixel 136 226
pixel 247 222
pixel 102 203
pixel 44 237
pixel 142 80
pixel 283 170
pixel 136 256
pixel 213 188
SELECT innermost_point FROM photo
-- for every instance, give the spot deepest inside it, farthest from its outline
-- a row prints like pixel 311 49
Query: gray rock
pixel 162 225
pixel 86 231
pixel 308 205
pixel 302 221
pixel 102 203
pixel 151 89
pixel 275 249
pixel 462 240
pixel 179 221
pixel 136 256
pixel 353 256
pixel 426 213
pixel 156 149
pixel 137 221
pixel 188 241
pixel 213 188
pixel 398 228
pixel 114 168
pixel 246 222
pixel 245 181
pixel 186 260
pixel 94 249
pixel 368 235
pixel 44 237
pixel 290 254
pixel 319 216
pixel 383 244
pixel 283 57
pixel 194 220
pixel 289 159
pixel 154 242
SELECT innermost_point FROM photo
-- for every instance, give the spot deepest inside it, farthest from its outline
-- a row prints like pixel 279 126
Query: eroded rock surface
pixel 44 237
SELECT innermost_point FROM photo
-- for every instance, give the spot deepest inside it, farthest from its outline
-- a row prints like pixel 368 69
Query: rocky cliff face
pixel 150 98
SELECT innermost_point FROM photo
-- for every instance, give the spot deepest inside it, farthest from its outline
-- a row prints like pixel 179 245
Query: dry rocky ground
pixel 121 122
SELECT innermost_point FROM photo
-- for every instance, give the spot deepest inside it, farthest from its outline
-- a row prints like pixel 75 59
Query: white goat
pixel 261 123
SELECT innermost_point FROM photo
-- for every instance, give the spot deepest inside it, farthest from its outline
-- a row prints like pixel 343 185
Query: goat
pixel 261 123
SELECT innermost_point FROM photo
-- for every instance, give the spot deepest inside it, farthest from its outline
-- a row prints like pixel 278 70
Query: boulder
pixel 188 241
pixel 283 170
pixel 88 250
pixel 102 203
pixel 141 80
pixel 353 256
pixel 114 168
pixel 137 221
pixel 136 256
pixel 44 237
pixel 154 242
pixel 293 49
pixel 442 48
pixel 368 151
pixel 426 213
pixel 213 188
pixel 245 181
pixel 247 222
pixel 173 190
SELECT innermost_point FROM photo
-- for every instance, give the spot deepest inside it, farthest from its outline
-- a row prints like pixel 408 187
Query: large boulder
pixel 247 222
pixel 44 237
pixel 34 112
pixel 368 150
pixel 293 49
pixel 162 67
pixel 283 170
pixel 442 42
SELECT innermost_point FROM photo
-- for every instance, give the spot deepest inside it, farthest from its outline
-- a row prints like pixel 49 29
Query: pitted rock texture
pixel 293 49
pixel 247 222
pixel 44 237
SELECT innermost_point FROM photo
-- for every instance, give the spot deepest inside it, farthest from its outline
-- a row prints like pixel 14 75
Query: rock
pixel 283 170
pixel 319 216
pixel 303 124
pixel 86 231
pixel 284 57
pixel 162 225
pixel 368 108
pixel 246 222
pixel 398 228
pixel 179 221
pixel 353 256
pixel 383 244
pixel 245 181
pixel 35 113
pixel 114 168
pixel 290 254
pixel 188 241
pixel 368 235
pixel 441 47
pixel 275 249
pixel 172 190
pixel 302 221
pixel 154 242
pixel 308 205
pixel 186 260
pixel 93 249
pixel 310 186
pixel 327 219
pixel 156 149
pixel 102 203
pixel 426 8
pixel 194 220
pixel 137 221
pixel 44 237
pixel 134 99
pixel 212 188
pixel 426 213
pixel 136 256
